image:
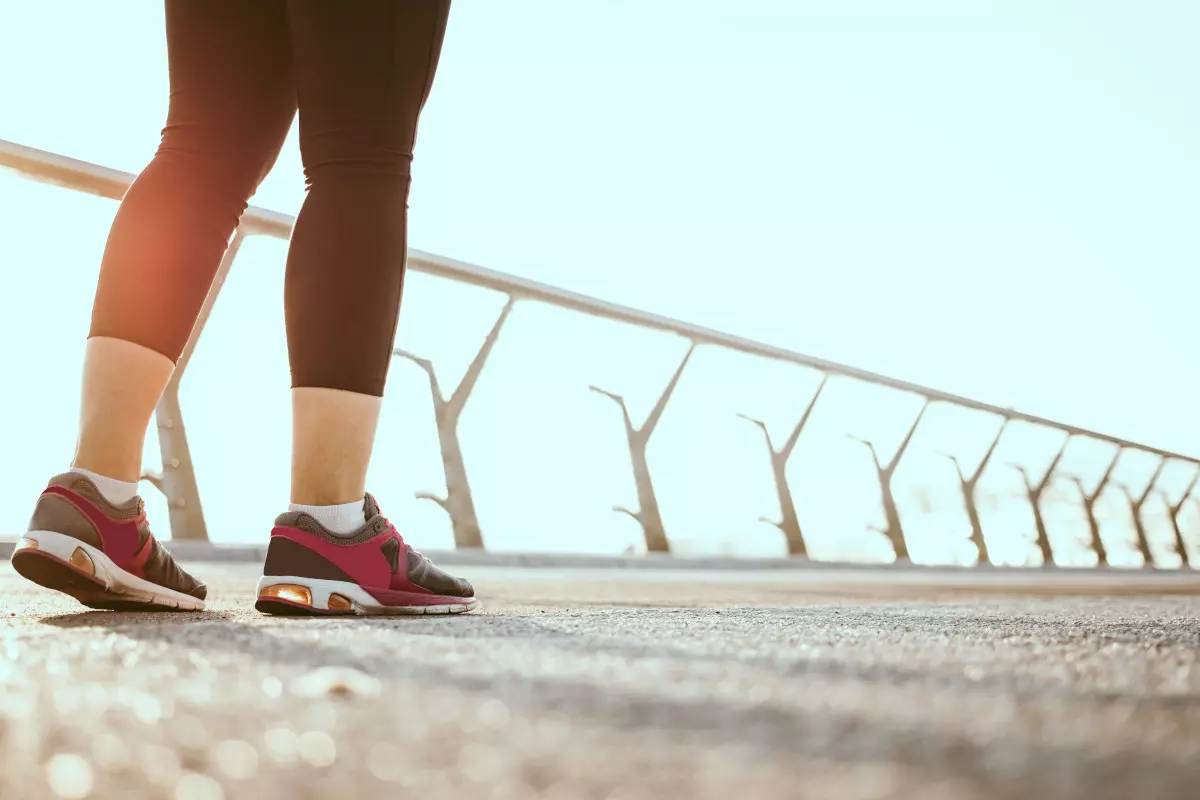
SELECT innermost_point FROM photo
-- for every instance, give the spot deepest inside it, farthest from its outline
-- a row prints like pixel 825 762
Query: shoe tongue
pixel 370 508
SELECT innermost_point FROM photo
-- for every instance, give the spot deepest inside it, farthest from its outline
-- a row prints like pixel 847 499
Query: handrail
pixel 178 477
pixel 106 182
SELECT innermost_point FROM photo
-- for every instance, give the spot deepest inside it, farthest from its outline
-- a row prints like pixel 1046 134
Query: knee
pixel 214 162
pixel 367 158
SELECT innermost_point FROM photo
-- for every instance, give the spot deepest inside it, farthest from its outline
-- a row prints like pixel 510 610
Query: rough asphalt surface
pixel 613 684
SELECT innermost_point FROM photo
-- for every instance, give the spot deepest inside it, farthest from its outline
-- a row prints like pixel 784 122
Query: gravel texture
pixel 614 684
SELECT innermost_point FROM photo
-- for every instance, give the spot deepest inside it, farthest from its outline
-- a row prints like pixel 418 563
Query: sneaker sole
pixel 297 596
pixel 65 564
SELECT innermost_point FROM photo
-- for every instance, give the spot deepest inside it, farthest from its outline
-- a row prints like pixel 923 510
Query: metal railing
pixel 177 479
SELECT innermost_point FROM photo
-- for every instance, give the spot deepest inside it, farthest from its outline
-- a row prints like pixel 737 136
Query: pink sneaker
pixel 101 554
pixel 371 571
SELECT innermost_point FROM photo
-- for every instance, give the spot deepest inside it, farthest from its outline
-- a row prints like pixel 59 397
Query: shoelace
pixel 407 547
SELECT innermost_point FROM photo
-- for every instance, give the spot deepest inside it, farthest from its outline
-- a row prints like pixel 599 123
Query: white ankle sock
pixel 114 491
pixel 342 519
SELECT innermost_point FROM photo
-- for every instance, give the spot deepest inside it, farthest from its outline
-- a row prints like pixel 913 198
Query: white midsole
pixel 115 579
pixel 360 599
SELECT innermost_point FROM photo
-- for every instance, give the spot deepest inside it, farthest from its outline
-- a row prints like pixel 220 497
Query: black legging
pixel 359 72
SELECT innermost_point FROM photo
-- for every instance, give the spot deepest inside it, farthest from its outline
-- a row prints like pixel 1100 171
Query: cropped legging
pixel 358 71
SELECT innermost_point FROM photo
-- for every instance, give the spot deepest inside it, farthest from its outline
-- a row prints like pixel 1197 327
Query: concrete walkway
pixel 617 684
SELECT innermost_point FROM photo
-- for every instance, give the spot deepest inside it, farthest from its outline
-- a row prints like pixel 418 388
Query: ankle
pixel 341 518
pixel 115 491
pixel 107 462
pixel 326 495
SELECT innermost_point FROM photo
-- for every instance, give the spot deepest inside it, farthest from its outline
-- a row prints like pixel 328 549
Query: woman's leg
pixel 363 71
pixel 232 102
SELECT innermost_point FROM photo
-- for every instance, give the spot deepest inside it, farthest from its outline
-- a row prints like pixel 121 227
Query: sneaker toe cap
pixel 424 573
pixel 465 589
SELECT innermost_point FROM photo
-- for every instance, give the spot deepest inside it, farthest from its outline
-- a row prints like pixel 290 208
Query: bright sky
pixel 995 199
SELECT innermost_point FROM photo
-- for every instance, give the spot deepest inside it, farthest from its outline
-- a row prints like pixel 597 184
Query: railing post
pixel 458 502
pixel 648 515
pixel 789 517
pixel 969 485
pixel 895 528
pixel 177 481
pixel 1136 504
pixel 1175 509
pixel 1034 492
pixel 1089 508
